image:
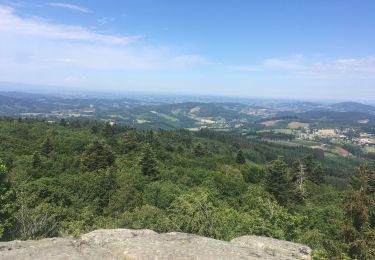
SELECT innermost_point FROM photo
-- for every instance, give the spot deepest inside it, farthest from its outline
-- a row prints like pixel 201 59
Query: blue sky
pixel 287 49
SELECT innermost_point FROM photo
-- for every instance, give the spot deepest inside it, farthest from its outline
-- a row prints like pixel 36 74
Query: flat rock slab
pixel 127 244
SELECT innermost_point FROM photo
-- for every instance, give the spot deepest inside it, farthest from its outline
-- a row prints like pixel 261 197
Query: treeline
pixel 71 177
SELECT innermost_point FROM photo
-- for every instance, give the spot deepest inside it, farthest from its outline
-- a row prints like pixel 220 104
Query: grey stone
pixel 127 244
pixel 276 247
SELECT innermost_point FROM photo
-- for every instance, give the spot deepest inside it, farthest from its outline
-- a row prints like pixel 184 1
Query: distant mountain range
pixel 352 107
pixel 148 112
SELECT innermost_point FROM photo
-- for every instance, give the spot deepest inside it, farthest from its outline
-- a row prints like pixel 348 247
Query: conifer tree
pixel 97 156
pixel 199 151
pixel 108 130
pixel 36 161
pixel 47 147
pixel 240 158
pixel 279 182
pixel 314 170
pixel 63 122
pixel 6 197
pixel 148 162
pixel 358 234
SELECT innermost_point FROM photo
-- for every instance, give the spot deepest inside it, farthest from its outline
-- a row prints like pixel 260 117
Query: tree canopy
pixel 76 176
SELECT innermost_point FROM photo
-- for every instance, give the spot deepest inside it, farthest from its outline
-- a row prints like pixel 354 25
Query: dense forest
pixel 68 178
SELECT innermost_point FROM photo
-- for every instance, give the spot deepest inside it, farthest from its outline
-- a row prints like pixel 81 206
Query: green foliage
pixel 35 222
pixel 197 212
pixel 229 182
pixel 193 212
pixel 6 203
pixel 148 162
pixel 161 194
pixel 253 173
pixel 358 234
pixel 94 188
pixel 271 218
pixel 47 147
pixel 128 194
pixel 63 122
pixel 240 158
pixel 73 177
pixel 199 150
pixel 314 170
pixel 36 161
pixel 279 183
pixel 149 217
pixel 97 156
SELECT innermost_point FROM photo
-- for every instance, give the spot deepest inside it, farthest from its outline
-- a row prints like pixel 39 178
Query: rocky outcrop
pixel 130 244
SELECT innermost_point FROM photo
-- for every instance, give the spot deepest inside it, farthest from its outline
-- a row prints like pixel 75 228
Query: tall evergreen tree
pixel 97 156
pixel 108 130
pixel 240 158
pixel 63 122
pixel 6 202
pixel 314 170
pixel 358 234
pixel 279 182
pixel 36 161
pixel 47 147
pixel 148 162
pixel 199 150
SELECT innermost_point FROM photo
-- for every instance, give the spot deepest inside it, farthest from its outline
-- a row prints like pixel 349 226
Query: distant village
pixel 337 134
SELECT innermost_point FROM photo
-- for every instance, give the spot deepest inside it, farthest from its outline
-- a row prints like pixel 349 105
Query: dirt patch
pixel 195 109
pixel 270 122
pixel 341 151
pixel 296 125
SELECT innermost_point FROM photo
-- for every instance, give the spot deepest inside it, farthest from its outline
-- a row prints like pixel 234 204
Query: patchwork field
pixel 271 122
pixel 296 125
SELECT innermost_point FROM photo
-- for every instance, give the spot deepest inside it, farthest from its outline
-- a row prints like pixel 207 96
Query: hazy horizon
pixel 279 50
pixel 142 94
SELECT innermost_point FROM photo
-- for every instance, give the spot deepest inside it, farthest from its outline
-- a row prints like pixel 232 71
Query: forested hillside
pixel 72 177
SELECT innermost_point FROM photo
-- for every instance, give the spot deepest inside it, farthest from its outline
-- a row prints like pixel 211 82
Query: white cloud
pixel 70 6
pixel 40 51
pixel 292 63
pixel 343 67
pixel 11 24
pixel 317 67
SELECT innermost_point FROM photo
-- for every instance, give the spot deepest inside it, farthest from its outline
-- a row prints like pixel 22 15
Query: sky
pixel 280 49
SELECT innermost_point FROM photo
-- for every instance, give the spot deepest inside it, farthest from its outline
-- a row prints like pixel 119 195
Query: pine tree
pixel 129 141
pixel 36 161
pixel 95 128
pixel 47 147
pixel 63 122
pixel 240 158
pixel 148 162
pixel 97 156
pixel 108 130
pixel 314 170
pixel 279 184
pixel 199 151
pixel 6 199
pixel 150 136
pixel 317 174
pixel 358 234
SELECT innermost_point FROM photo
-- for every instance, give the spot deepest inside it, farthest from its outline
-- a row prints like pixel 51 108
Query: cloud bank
pixel 40 51
pixel 31 48
pixel 316 67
